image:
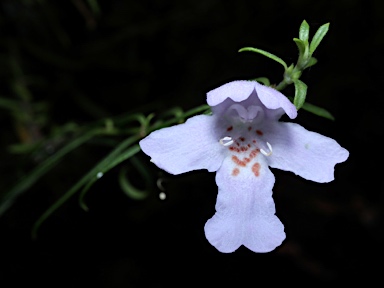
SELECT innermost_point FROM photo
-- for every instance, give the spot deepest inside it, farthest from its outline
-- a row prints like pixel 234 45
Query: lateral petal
pixel 305 153
pixel 192 145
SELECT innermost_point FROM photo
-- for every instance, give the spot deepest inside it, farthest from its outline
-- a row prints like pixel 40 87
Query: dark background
pixel 79 65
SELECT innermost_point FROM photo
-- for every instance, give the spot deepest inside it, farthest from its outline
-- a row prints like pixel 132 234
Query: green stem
pixel 281 85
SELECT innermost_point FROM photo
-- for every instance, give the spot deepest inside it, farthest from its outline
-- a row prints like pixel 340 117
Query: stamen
pixel 226 141
pixel 262 151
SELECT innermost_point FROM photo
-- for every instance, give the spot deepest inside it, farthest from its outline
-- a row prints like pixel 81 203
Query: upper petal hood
pixel 241 90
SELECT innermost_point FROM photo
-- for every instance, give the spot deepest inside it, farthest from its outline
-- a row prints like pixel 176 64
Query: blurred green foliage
pixel 63 89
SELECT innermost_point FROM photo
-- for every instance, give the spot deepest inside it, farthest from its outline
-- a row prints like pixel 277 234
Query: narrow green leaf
pixel 94 6
pixel 31 178
pixel 304 31
pixel 263 80
pixel 9 104
pixel 312 61
pixel 129 189
pixel 131 151
pixel 320 33
pixel 265 53
pixel 123 156
pixel 23 148
pixel 105 162
pixel 318 111
pixel 300 45
pixel 84 191
pixel 300 93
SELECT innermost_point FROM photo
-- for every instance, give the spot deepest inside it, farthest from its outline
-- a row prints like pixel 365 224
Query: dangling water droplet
pixel 262 151
pixel 226 141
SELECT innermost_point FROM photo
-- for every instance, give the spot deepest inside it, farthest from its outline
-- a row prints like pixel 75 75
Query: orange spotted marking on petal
pixel 243 148
pixel 256 169
pixel 238 161
pixel 254 153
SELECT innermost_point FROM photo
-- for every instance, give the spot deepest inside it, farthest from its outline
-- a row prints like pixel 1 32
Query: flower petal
pixel 245 211
pixel 305 153
pixel 241 90
pixel 273 99
pixel 185 147
pixel 236 90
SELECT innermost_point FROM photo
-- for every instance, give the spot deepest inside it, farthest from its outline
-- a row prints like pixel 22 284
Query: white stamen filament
pixel 226 141
pixel 262 151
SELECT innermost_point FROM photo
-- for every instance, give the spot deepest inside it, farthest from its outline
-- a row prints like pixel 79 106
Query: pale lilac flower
pixel 240 140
